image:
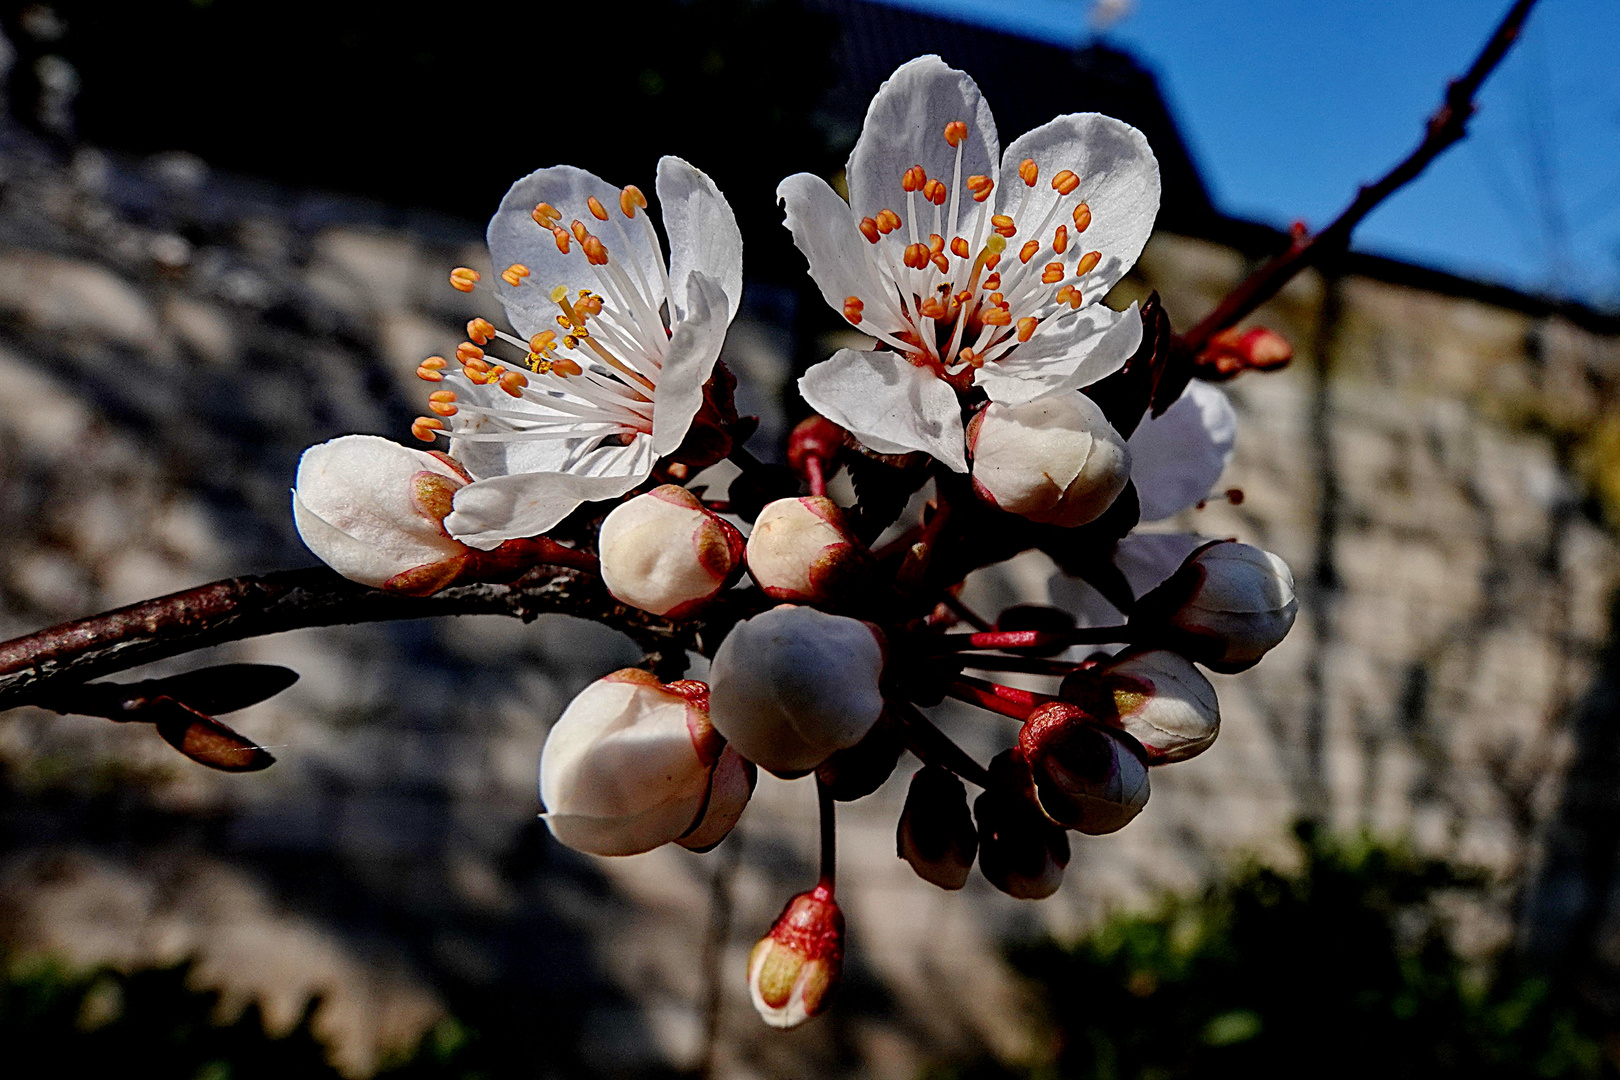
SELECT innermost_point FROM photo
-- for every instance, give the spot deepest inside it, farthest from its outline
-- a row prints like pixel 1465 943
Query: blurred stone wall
pixel 171 339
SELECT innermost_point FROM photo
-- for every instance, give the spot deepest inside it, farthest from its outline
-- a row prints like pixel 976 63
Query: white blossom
pixel 969 264
pixel 615 345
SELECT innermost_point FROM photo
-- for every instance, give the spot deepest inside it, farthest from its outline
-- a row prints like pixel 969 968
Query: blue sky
pixel 1289 104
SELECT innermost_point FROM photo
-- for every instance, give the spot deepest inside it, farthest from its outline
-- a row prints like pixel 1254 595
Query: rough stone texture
pixel 171 340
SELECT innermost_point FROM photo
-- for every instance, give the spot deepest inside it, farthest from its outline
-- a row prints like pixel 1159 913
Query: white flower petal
pixel 702 231
pixel 891 405
pixel 905 126
pixel 1067 352
pixel 1119 180
pixel 1147 559
pixel 484 459
pixel 840 261
pixel 1178 458
pixel 527 504
pixel 514 237
pixel 693 348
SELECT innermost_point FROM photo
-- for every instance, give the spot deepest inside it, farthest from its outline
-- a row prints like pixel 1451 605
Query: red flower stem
pixel 933 747
pixel 814 474
pixel 1029 665
pixel 1006 700
pixel 829 840
pixel 1028 639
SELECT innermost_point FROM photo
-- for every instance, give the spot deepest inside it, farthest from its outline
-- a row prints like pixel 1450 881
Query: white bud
pixel 665 553
pixel 793 684
pixel 1228 605
pixel 628 765
pixel 374 511
pixel 1155 696
pixel 801 551
pixel 1056 460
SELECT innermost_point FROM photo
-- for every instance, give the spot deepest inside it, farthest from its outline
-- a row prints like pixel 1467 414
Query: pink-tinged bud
pixel 667 554
pixel 1226 606
pixel 1232 351
pixel 793 685
pixel 630 765
pixel 729 791
pixel 800 551
pixel 1088 778
pixel 1021 852
pixel 1056 460
pixel 936 834
pixel 374 511
pixel 1153 695
pixel 794 969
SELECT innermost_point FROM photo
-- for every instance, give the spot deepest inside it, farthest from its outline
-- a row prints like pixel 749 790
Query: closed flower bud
pixel 1021 852
pixel 1056 460
pixel 667 554
pixel 793 685
pixel 374 511
pixel 1153 695
pixel 794 969
pixel 1087 777
pixel 936 834
pixel 1226 606
pixel 630 765
pixel 801 551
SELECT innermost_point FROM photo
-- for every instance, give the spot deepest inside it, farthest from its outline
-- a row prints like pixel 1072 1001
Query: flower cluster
pixel 997 382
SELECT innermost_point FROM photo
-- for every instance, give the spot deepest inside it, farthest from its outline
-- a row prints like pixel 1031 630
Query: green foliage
pixel 57 1022
pixel 1342 967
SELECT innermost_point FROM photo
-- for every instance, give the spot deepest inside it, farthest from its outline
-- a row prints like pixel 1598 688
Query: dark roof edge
pixel 1258 241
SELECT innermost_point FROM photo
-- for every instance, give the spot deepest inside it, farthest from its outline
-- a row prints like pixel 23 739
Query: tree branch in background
pixel 1447 126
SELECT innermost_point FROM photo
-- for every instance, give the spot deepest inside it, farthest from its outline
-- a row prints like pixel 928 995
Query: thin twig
pixel 1445 127
pixel 39 666
pixel 934 747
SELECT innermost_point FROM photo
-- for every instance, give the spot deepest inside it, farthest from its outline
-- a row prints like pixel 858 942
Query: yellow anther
pixel 1088 263
pixel 887 221
pixel 590 304
pixel 463 278
pixel 1065 182
pixel 934 192
pixel 1052 274
pixel 565 367
pixel 981 186
pixel 546 214
pixel 467 351
pixel 1003 225
pixel 580 231
pixel 513 275
pixel 992 281
pixel 1026 327
pixel 630 198
pixel 959 247
pixel 931 308
pixel 570 341
pixel 513 382
pixel 869 229
pixel 913 178
pixel 595 253
pixel 1029 251
pixel 995 317
pixel 1028 171
pixel 1082 217
pixel 968 356
pixel 598 211
pixel 955 132
pixel 1060 239
pixel 424 427
pixel 434 363
pixel 481 331
pixel 560 234
pixel 543 342
pixel 427 374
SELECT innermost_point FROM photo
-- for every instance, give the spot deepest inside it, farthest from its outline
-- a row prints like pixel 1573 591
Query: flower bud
pixel 1153 695
pixel 665 553
pixel 729 791
pixel 374 511
pixel 630 765
pixel 793 684
pixel 1021 852
pixel 1226 606
pixel 1088 778
pixel 794 969
pixel 1056 460
pixel 936 834
pixel 800 551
